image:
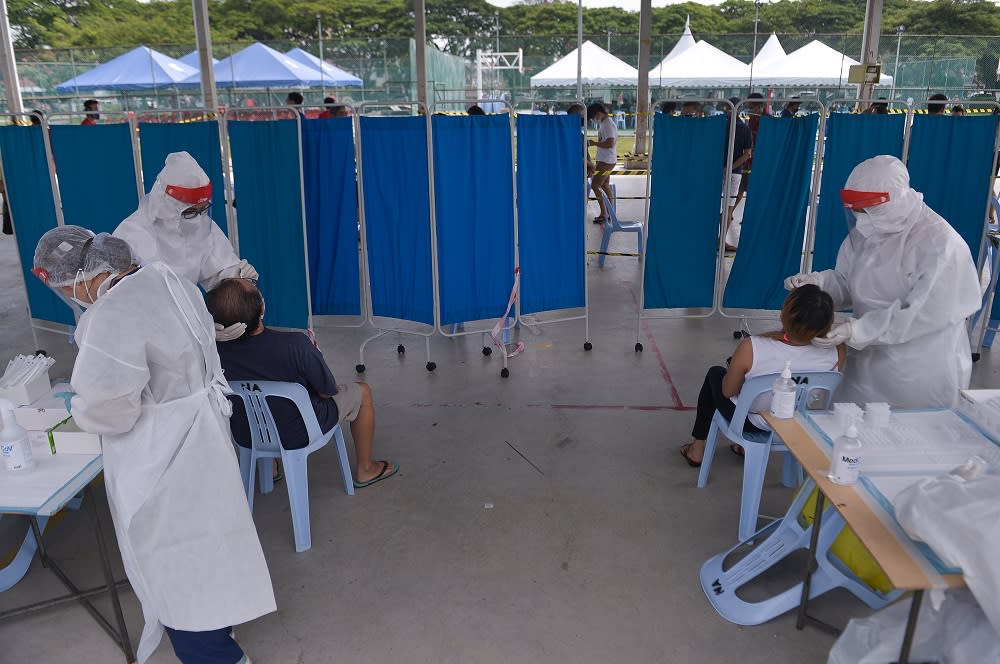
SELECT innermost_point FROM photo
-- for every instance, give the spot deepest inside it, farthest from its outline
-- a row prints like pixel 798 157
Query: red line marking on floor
pixel 674 394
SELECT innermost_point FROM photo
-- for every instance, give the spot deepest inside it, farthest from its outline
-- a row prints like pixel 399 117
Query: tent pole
pixel 420 36
pixel 642 101
pixel 11 83
pixel 579 49
pixel 203 39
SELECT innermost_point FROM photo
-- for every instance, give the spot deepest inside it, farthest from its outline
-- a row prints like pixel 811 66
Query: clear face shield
pixel 856 208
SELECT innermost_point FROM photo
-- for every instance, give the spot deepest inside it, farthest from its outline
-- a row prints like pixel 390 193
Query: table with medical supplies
pixel 43 491
pixel 919 444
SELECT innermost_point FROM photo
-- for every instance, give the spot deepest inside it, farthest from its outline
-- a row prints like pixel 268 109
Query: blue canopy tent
pixel 191 60
pixel 259 66
pixel 142 68
pixel 333 76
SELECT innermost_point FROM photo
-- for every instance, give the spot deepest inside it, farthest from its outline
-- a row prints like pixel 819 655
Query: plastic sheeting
pixel 951 164
pixel 850 139
pixel 684 222
pixel 474 202
pixel 200 140
pixel 96 174
pixel 397 217
pixel 550 210
pixel 29 191
pixel 265 159
pixel 331 216
pixel 774 220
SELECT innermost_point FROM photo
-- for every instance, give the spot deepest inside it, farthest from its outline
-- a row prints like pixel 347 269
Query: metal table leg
pixel 911 627
pixel 800 620
pixel 102 549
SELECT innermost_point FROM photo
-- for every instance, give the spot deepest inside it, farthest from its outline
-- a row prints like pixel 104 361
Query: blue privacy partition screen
pixel 850 139
pixel 96 174
pixel 950 163
pixel 269 215
pixel 550 209
pixel 474 202
pixel 774 219
pixel 200 140
pixel 397 217
pixel 331 216
pixel 684 221
pixel 29 192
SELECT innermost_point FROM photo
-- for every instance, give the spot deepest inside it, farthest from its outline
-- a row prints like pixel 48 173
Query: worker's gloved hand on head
pixel 67 398
pixel 801 279
pixel 247 271
pixel 839 334
pixel 234 331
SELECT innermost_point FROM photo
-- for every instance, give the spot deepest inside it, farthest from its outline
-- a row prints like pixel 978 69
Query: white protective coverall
pixel 196 248
pixel 147 377
pixel 911 281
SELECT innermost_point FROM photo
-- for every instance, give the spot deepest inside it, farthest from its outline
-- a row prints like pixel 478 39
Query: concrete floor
pixel 545 517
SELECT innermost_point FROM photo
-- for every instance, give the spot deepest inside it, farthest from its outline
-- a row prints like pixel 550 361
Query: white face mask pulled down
pixel 101 290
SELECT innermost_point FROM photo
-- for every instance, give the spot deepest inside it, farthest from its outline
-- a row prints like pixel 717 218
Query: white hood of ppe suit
pixel 911 283
pixel 196 249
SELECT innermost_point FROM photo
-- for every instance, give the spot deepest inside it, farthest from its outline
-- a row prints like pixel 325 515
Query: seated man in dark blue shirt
pixel 265 354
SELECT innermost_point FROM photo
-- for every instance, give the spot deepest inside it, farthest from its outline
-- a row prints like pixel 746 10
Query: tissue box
pixel 66 438
pixel 44 413
pixel 22 395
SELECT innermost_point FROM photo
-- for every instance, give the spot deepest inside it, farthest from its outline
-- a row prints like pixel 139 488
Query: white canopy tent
pixel 701 65
pixel 771 52
pixel 599 68
pixel 815 64
pixel 684 43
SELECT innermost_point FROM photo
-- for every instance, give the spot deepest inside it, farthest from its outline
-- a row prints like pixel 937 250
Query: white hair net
pixel 64 252
pixel 888 174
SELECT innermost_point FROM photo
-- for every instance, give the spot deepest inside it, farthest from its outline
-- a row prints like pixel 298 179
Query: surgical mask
pixel 81 303
pixel 864 223
pixel 106 284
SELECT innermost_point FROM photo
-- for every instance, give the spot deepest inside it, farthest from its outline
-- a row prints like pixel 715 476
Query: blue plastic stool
pixel 777 540
pixel 265 444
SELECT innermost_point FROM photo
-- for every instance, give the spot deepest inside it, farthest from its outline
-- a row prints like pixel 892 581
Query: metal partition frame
pixel 585 316
pixel 810 220
pixel 366 267
pixel 720 254
pixel 227 165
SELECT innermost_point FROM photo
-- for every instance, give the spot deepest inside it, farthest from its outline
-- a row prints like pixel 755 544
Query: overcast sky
pixel 631 5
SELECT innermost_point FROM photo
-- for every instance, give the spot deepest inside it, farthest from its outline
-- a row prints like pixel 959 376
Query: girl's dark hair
pixel 595 108
pixel 808 313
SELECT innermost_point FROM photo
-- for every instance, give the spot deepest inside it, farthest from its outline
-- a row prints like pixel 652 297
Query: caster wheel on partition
pixel 400 349
pixel 360 368
pixel 487 351
pixel 975 357
pixel 587 345
pixel 638 347
pixel 431 366
pixel 737 334
pixel 504 372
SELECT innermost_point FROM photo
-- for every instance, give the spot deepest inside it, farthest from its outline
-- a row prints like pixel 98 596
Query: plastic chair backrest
pixel 616 224
pixel 263 430
pixel 811 385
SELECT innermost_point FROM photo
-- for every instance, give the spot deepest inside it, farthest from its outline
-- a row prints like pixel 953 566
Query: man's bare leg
pixel 363 432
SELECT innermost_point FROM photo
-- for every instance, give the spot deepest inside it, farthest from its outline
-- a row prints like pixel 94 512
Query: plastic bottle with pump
pixel 845 464
pixel 14 441
pixel 783 394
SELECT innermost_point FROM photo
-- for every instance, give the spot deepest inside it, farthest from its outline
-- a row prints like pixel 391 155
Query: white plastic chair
pixel 613 225
pixel 777 540
pixel 815 390
pixel 265 444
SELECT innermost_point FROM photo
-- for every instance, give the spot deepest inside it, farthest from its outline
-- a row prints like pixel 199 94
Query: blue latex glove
pixel 67 398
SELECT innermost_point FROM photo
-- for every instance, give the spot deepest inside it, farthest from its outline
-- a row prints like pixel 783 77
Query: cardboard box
pixel 22 395
pixel 44 413
pixel 66 438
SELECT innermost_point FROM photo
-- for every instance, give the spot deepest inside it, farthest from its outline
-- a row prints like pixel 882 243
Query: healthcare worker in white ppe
pixel 910 282
pixel 147 378
pixel 173 226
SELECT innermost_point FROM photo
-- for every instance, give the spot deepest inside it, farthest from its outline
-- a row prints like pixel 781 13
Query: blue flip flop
pixel 378 478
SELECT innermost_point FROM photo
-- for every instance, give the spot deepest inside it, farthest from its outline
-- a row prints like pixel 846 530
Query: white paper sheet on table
pixel 29 490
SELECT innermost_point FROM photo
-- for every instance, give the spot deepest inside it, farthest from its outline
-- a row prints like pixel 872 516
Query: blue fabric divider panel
pixel 684 222
pixel 96 174
pixel 397 217
pixel 29 195
pixel 269 222
pixel 850 139
pixel 198 139
pixel 331 216
pixel 550 210
pixel 474 201
pixel 951 164
pixel 774 218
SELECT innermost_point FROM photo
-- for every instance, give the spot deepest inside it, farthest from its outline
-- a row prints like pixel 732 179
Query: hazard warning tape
pixel 610 253
pixel 495 332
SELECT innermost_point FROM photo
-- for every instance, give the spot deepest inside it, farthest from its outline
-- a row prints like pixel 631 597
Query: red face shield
pixel 190 195
pixel 859 200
